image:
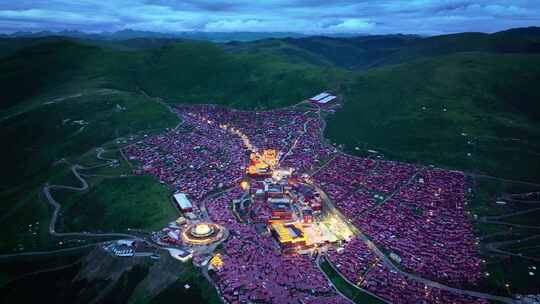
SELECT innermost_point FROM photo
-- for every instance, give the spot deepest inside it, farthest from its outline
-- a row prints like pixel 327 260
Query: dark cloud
pixel 209 6
pixel 308 16
pixel 450 7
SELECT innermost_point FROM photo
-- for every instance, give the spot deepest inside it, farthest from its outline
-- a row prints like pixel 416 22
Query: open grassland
pixel 500 269
pixel 365 52
pixel 416 112
pixel 476 112
pixel 200 290
pixel 71 127
pixel 38 139
pixel 114 204
pixel 513 271
pixel 21 267
pixel 187 72
pixel 62 98
pixel 25 223
pixel 200 73
pixel 529 248
pixel 473 112
pixel 29 280
pixel 56 286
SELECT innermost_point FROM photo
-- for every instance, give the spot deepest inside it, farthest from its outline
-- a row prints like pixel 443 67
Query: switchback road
pixel 46 190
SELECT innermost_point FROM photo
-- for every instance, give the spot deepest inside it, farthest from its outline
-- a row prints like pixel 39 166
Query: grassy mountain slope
pixel 489 97
pixel 50 82
pixel 62 98
pixel 419 110
pixel 365 52
pixel 465 101
pixel 356 53
pixel 519 41
pixel 63 129
pixel 181 72
pixel 203 73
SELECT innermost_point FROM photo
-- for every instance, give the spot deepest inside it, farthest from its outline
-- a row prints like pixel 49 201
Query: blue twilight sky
pixel 304 16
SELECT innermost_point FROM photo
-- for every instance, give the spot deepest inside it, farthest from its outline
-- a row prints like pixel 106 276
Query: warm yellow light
pixel 216 261
pixel 244 185
pixel 202 229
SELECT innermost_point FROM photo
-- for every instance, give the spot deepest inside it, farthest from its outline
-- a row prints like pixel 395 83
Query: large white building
pixel 183 202
pixel 323 98
pixel 319 96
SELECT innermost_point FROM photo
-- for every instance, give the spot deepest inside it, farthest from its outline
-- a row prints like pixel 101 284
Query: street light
pixel 507 285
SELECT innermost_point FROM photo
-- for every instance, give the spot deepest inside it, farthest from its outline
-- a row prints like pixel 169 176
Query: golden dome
pixel 202 229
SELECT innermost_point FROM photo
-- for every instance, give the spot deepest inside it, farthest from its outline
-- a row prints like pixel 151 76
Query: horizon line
pixel 32 31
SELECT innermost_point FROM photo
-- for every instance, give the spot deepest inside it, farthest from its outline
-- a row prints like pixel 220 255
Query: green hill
pixel 188 71
pixel 365 52
pixel 61 97
pixel 356 53
pixel 203 73
pixel 59 78
pixel 420 110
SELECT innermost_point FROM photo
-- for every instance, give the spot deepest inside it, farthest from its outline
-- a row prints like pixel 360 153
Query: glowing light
pixel 216 262
pixel 202 234
pixel 202 229
pixel 244 185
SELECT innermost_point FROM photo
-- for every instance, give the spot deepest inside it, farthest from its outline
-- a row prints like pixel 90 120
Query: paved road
pixel 202 207
pixel 396 191
pixel 100 151
pixel 522 197
pixel 295 141
pixel 509 224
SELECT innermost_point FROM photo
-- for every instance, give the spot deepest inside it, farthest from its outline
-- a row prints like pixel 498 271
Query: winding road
pixel 46 190
pixel 495 247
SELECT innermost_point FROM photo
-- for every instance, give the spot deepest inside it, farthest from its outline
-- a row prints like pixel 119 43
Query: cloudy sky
pixel 304 16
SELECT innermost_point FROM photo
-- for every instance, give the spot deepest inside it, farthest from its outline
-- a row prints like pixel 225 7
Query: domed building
pixel 202 234
pixel 202 230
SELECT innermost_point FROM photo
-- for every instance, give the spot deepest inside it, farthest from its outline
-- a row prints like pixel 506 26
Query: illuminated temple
pixel 291 236
pixel 202 234
pixel 261 164
pixel 294 212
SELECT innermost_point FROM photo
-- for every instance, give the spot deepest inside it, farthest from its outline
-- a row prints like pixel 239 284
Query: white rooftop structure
pixel 182 201
pixel 125 242
pixel 319 96
pixel 173 234
pixel 179 254
pixel 327 99
pixel 278 200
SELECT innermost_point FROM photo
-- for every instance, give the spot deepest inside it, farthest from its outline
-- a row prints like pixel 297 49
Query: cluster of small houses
pixel 424 225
